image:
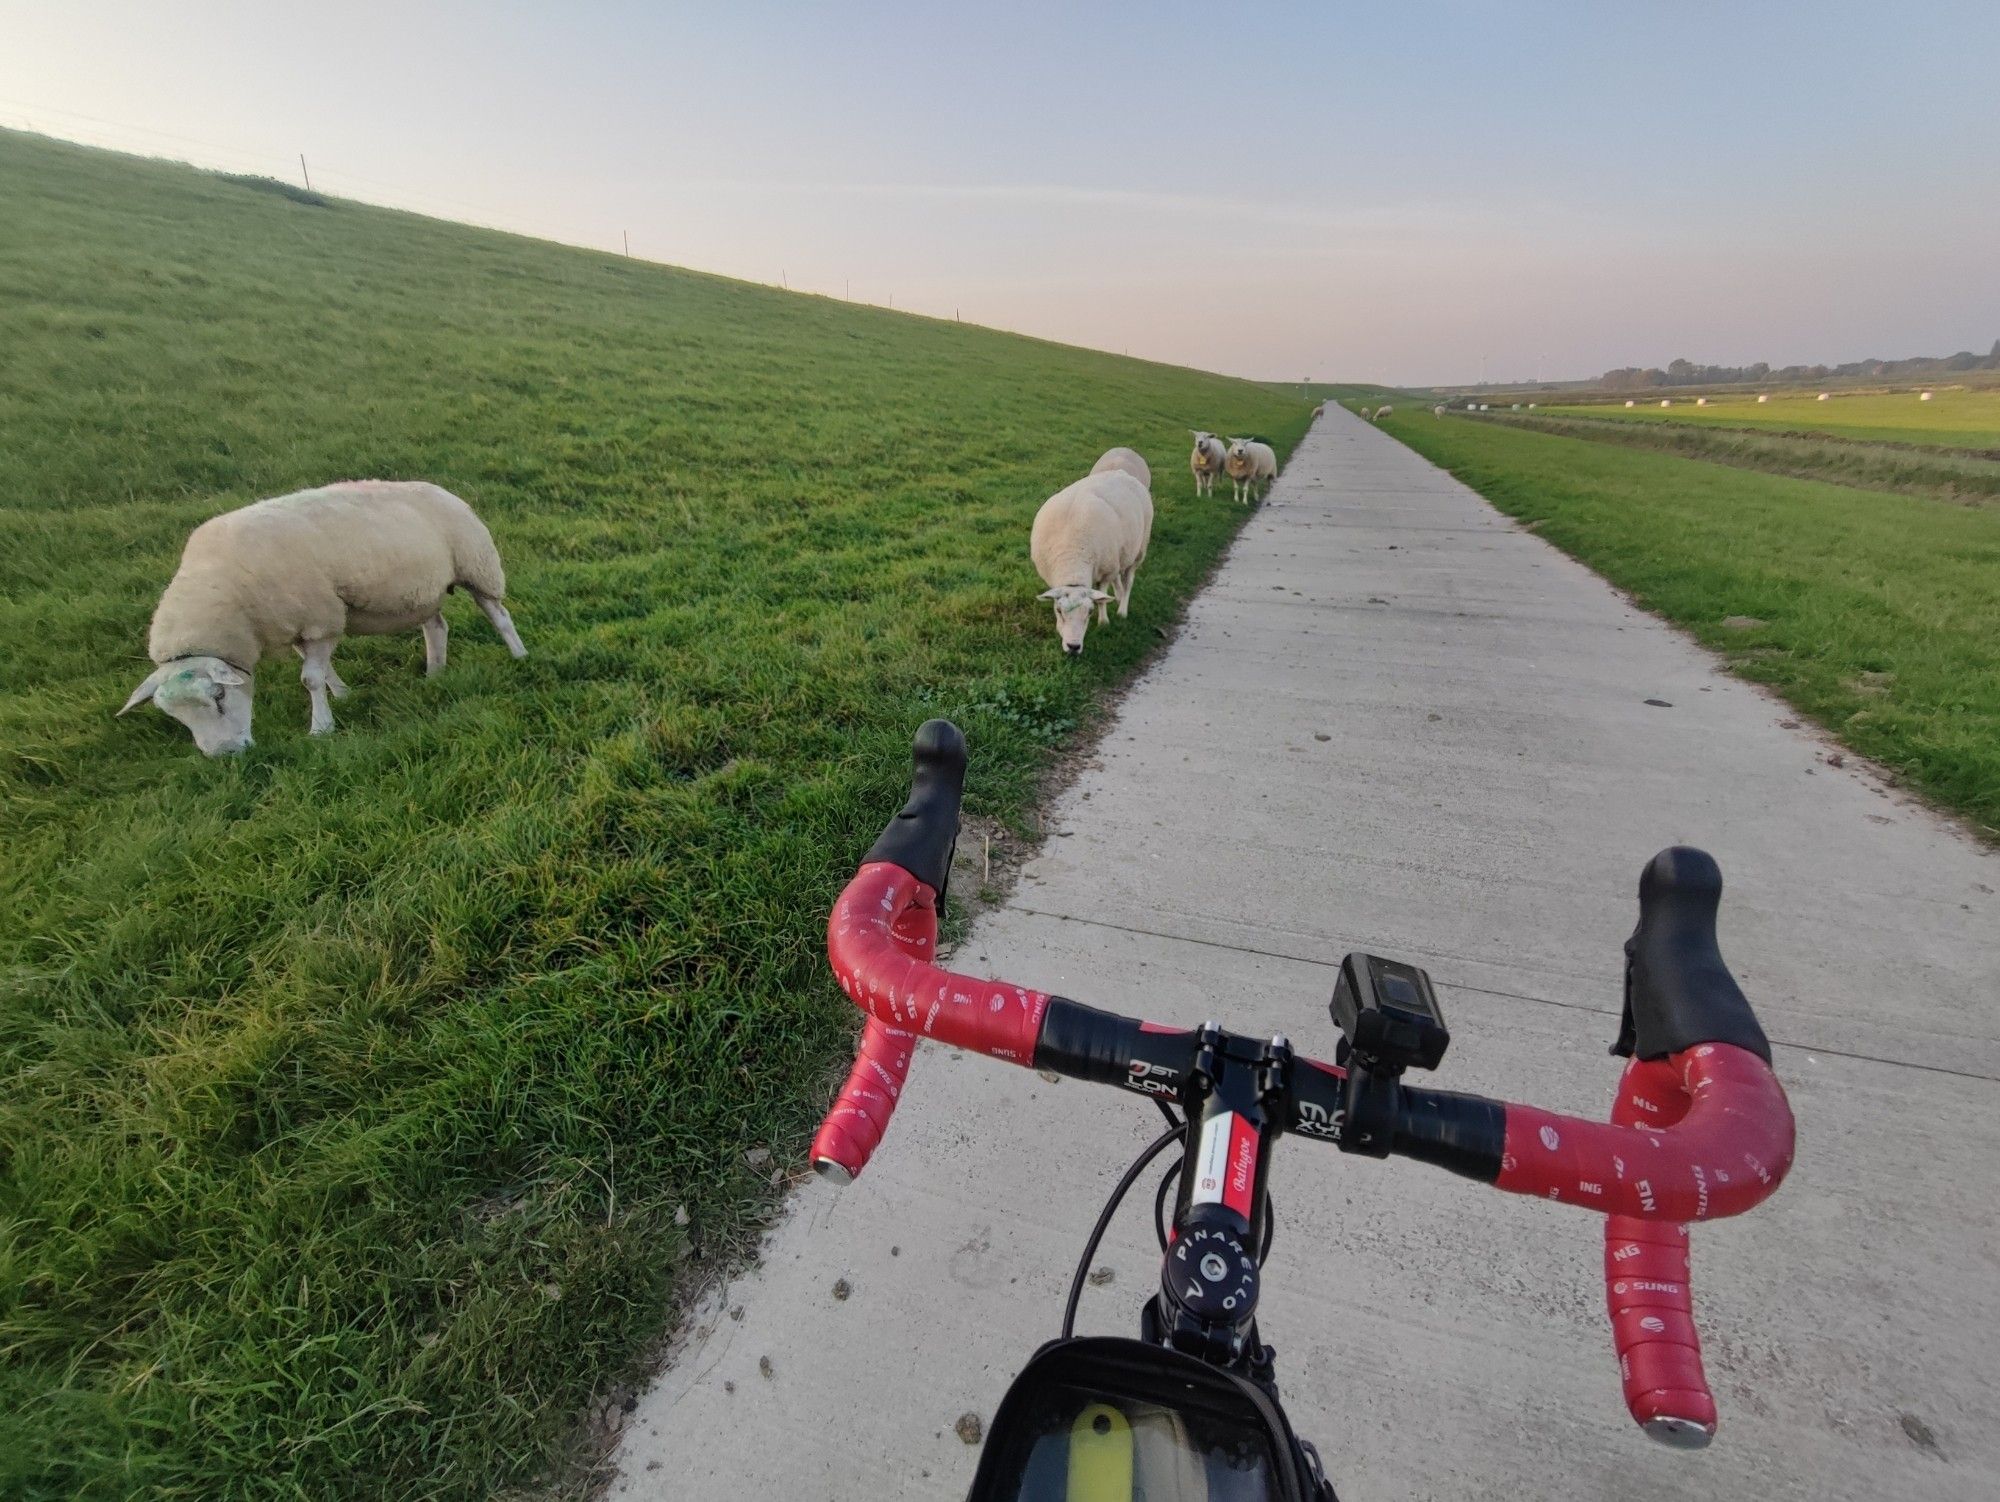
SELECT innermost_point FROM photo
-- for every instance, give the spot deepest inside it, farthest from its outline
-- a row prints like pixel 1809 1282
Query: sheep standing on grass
pixel 1128 460
pixel 1382 412
pixel 1248 463
pixel 360 558
pixel 1205 461
pixel 1086 536
pixel 1437 411
pixel 1367 413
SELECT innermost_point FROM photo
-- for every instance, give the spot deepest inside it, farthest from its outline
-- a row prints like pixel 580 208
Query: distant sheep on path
pixel 300 571
pixel 1250 463
pixel 1205 462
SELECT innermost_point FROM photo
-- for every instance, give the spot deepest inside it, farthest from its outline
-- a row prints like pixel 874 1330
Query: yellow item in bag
pixel 1100 1456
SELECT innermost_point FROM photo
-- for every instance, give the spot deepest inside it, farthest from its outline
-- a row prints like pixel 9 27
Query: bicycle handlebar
pixel 1700 1128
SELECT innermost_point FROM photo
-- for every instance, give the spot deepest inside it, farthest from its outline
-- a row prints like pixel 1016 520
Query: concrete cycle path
pixel 1397 721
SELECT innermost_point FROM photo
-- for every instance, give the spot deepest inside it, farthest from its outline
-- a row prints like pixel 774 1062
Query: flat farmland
pixel 1953 418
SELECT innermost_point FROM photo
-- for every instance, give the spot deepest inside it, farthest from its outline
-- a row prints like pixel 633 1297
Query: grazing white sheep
pixel 1765 397
pixel 1666 401
pixel 1701 401
pixel 1206 461
pixel 1923 396
pixel 360 558
pixel 1367 413
pixel 1086 536
pixel 1248 463
pixel 1825 396
pixel 1438 411
pixel 1127 460
pixel 1383 411
pixel 1631 403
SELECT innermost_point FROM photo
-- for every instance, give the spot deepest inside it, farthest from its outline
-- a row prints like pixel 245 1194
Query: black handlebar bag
pixel 1101 1419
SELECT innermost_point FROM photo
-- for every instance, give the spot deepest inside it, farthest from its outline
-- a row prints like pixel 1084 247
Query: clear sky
pixel 1406 190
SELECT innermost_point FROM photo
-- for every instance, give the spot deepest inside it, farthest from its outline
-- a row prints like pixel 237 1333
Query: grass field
pixel 1951 419
pixel 1965 476
pixel 349 1089
pixel 1878 615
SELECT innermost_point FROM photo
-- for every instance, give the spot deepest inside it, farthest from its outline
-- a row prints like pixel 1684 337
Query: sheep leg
pixel 436 633
pixel 315 675
pixel 334 683
pixel 502 622
pixel 1104 608
pixel 1123 589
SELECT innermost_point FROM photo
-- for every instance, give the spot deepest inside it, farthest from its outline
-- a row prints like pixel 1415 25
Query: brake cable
pixel 1160 1144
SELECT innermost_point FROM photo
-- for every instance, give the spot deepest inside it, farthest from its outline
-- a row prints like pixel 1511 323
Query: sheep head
pixel 1073 603
pixel 205 694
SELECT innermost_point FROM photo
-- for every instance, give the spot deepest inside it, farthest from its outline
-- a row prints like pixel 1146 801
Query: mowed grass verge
pixel 1879 615
pixel 349 1089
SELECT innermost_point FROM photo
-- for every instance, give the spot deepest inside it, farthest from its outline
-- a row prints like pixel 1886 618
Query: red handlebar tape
pixel 1697 1135
pixel 881 941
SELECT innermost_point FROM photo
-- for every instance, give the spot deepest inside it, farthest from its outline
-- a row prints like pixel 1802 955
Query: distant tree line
pixel 1687 373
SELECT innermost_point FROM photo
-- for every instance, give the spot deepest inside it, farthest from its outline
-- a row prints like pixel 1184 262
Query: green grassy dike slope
pixel 349 1088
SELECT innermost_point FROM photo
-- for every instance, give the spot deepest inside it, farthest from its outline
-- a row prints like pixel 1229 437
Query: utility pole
pixel 304 173
pixel 628 240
